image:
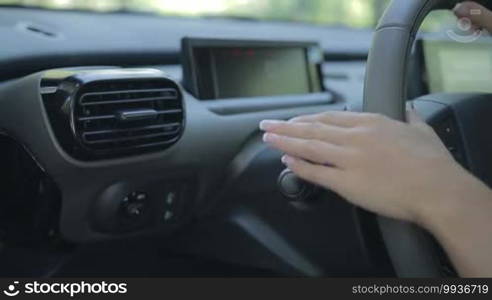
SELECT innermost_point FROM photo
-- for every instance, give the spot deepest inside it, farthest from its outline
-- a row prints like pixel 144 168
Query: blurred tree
pixel 353 13
pixel 360 13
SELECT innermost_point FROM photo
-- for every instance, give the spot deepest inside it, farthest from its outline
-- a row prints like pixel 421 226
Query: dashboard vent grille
pixel 127 115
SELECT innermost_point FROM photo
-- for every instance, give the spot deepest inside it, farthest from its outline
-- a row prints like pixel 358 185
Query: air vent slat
pixel 96 118
pixel 105 117
pixel 172 125
pixel 125 96
pixel 171 91
pixel 128 101
pixel 131 138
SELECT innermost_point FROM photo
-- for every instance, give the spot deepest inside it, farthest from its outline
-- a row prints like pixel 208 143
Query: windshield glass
pixel 347 13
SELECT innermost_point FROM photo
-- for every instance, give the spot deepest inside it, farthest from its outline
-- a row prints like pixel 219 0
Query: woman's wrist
pixel 458 198
pixel 457 218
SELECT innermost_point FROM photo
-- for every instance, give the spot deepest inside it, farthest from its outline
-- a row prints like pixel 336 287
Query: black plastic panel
pixel 31 202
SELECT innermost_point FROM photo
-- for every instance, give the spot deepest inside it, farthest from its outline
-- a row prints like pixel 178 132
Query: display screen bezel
pixel 199 82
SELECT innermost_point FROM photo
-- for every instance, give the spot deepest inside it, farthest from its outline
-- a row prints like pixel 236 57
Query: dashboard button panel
pixel 170 206
pixel 447 130
pixel 159 206
pixel 133 206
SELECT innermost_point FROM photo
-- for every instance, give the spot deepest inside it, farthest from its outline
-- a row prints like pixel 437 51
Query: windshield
pixel 347 13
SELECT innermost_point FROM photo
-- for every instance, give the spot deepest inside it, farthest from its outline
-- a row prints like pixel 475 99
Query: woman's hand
pixel 392 168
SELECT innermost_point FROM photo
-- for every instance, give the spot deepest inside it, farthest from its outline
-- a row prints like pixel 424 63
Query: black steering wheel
pixel 412 252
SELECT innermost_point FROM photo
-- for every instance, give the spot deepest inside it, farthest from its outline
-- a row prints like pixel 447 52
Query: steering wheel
pixel 411 251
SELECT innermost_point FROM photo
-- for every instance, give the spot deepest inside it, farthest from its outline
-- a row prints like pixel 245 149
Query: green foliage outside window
pixel 346 13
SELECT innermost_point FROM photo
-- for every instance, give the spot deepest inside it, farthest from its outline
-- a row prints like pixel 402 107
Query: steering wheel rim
pixel 412 252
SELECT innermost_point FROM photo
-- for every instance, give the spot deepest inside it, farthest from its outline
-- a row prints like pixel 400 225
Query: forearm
pixel 461 222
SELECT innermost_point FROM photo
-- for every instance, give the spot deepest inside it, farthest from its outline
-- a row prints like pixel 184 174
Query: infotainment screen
pixel 457 67
pixel 221 69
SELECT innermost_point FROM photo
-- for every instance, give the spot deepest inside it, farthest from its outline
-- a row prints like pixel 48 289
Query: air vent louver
pixel 119 115
pixel 113 116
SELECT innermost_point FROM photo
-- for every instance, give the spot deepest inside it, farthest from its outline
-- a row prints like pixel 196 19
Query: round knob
pixel 294 188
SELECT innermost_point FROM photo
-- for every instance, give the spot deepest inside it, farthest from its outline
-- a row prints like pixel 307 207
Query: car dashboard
pixel 185 167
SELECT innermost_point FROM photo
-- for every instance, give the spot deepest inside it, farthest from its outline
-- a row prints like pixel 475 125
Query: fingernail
pixel 269 137
pixel 268 124
pixel 287 160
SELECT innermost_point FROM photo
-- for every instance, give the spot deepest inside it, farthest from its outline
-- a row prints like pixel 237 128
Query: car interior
pixel 130 146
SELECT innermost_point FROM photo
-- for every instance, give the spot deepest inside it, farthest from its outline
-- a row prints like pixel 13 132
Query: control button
pixel 290 185
pixel 294 188
pixel 141 196
pixel 171 198
pixel 134 210
pixel 133 206
pixel 168 216
pixel 170 209
pixel 446 129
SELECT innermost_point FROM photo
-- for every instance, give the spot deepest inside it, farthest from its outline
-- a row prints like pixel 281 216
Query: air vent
pixel 114 116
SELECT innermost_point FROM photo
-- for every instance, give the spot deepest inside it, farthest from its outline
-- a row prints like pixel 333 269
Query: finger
pixel 310 131
pixel 327 177
pixel 338 118
pixel 312 150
